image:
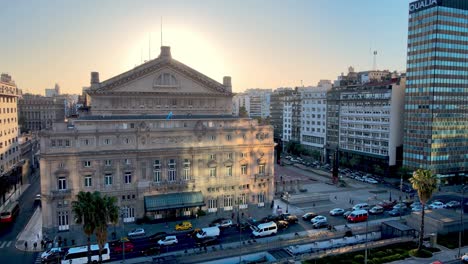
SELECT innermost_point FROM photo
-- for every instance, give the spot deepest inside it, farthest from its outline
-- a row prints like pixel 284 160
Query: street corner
pixel 27 246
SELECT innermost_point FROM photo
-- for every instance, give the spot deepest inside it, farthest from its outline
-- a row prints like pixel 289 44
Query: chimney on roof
pixel 165 52
pixel 227 83
pixel 94 78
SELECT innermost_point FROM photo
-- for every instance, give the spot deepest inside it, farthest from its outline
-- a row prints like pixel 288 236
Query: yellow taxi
pixel 186 225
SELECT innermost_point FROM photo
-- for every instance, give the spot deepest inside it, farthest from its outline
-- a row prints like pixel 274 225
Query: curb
pixel 20 243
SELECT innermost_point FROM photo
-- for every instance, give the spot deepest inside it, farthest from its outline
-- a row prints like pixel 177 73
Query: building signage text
pixel 415 6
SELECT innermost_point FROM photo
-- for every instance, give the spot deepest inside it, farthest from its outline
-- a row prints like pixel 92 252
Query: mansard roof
pixel 164 60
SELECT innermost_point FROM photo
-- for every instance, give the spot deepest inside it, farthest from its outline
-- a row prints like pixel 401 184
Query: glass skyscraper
pixel 436 95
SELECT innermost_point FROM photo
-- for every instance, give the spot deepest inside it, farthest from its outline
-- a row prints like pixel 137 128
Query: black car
pixel 309 216
pixel 155 250
pixel 243 226
pixel 209 241
pixel 292 219
pixel 395 212
pixel 156 237
pixel 270 218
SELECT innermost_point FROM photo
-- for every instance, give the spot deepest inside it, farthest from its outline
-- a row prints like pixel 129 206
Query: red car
pixel 128 247
pixel 387 205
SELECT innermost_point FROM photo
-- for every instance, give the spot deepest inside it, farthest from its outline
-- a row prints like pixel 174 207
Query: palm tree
pixel 84 211
pixel 425 183
pixel 106 212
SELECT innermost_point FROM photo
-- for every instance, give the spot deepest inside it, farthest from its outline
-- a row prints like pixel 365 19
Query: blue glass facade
pixel 436 95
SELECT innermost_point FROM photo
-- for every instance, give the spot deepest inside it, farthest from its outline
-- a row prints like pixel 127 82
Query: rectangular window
pixel 229 155
pixel 213 172
pixel 244 170
pixel 186 170
pixel 128 177
pixel 212 156
pixel 88 181
pixel 243 199
pixel 62 221
pixel 108 162
pixel 227 200
pixel 229 171
pixel 157 171
pixel 261 169
pixel 261 197
pixel 127 161
pixel 62 183
pixel 108 179
pixel 67 142
pixel 171 173
pixel 52 143
pixel 107 141
pixel 228 137
pixel 213 203
pixel 87 163
pixel 59 142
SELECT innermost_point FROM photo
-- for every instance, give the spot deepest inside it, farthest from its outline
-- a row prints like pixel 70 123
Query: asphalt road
pixel 8 233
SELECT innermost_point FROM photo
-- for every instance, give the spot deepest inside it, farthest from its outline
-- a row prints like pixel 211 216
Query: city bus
pixel 79 255
pixel 9 213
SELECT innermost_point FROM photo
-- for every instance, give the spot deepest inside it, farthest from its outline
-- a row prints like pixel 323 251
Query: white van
pixel 208 232
pixel 361 206
pixel 266 229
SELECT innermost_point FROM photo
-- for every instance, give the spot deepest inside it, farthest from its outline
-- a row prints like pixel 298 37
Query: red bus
pixel 358 216
pixel 9 213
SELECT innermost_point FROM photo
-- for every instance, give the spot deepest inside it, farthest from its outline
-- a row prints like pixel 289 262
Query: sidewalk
pixel 32 233
pixel 444 255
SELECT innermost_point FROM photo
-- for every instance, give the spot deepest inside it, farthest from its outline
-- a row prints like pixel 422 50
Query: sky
pixel 260 44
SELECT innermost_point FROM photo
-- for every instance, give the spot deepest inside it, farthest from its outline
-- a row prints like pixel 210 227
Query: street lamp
pixel 123 213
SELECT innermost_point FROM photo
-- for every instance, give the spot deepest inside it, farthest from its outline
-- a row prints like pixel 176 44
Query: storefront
pixel 173 205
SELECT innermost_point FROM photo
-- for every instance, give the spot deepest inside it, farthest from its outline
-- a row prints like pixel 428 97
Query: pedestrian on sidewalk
pixel 42 243
pixel 196 216
pixel 35 245
pixel 26 245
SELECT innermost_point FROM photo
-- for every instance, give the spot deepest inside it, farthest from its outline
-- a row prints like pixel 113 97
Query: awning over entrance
pixel 173 201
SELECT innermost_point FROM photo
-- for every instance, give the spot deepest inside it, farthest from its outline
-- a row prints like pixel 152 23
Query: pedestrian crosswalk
pixel 5 244
pixel 38 259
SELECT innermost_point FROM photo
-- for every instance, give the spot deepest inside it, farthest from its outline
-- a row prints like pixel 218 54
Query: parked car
pixel 270 218
pixel 186 225
pixel 416 204
pixel 157 236
pixel 308 216
pixel 217 222
pixel 395 212
pixel 417 208
pixel 437 205
pixel 128 247
pixel 243 226
pixel 370 180
pixel 282 224
pixel 387 205
pixel 376 210
pixel 337 211
pixel 320 224
pixel 136 232
pixel 347 213
pixel 400 206
pixel 452 204
pixel 225 223
pixel 168 240
pixel 318 218
pixel 361 206
pixel 292 219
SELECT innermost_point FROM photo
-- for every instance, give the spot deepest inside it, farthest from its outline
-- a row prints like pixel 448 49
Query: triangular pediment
pixel 161 75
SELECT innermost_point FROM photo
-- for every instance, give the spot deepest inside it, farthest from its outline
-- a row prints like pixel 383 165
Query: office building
pixel 39 112
pixel 436 113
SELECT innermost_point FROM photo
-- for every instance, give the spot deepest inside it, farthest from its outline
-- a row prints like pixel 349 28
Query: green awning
pixel 173 201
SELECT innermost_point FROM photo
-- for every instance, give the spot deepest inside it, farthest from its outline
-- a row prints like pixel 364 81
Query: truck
pixel 212 231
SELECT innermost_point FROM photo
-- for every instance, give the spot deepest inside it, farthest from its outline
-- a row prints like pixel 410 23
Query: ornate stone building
pixel 162 139
pixel 39 112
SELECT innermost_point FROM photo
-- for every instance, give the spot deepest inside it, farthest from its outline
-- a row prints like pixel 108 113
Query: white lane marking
pixel 3 244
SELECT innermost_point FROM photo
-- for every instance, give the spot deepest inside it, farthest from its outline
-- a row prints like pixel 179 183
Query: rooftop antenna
pixel 141 55
pixel 374 66
pixel 302 85
pixel 161 33
pixel 149 47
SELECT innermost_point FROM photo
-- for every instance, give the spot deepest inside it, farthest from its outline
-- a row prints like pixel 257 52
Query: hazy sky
pixel 264 44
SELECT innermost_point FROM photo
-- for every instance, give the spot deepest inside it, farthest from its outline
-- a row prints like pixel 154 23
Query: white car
pixel 370 180
pixel 225 223
pixel 318 219
pixel 169 240
pixel 49 252
pixel 337 211
pixel 437 205
pixel 136 232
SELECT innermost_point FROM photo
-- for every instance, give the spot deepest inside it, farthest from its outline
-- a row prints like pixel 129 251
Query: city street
pixel 9 233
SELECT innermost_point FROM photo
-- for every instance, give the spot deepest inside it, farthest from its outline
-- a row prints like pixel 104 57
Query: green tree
pixel 84 211
pixel 243 112
pixel 425 183
pixel 106 212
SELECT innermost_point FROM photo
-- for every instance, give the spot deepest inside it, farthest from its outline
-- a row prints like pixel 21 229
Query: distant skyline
pixel 260 44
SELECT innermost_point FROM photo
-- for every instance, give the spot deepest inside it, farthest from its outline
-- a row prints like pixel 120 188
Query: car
pixel 243 226
pixel 225 223
pixel 387 205
pixel 370 180
pixel 209 241
pixel 400 206
pixel 437 205
pixel 37 199
pixel 168 240
pixel 52 255
pixel 417 208
pixel 128 247
pixel 416 204
pixel 361 206
pixel 292 219
pixel 185 225
pixel 282 224
pixel 347 213
pixel 136 232
pixel 217 222
pixel 154 250
pixel 376 210
pixel 452 204
pixel 157 236
pixel 395 212
pixel 318 218
pixel 320 224
pixel 337 211
pixel 308 216
pixel 464 258
pixel 270 218
pixel 194 232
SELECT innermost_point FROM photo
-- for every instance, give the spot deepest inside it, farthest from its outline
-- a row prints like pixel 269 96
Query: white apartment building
pixel 292 117
pixel 238 101
pixel 313 116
